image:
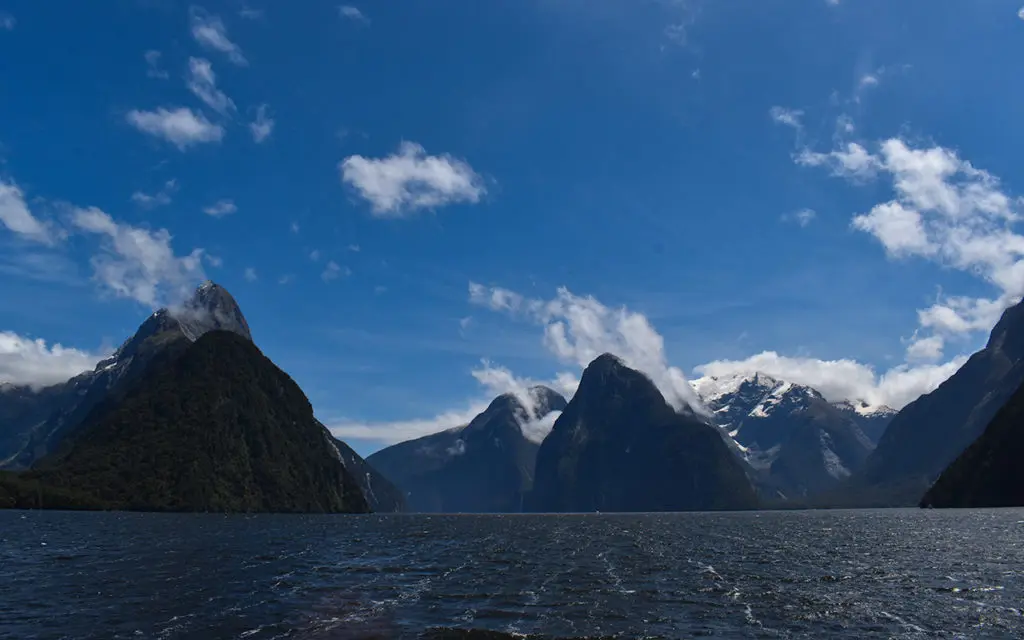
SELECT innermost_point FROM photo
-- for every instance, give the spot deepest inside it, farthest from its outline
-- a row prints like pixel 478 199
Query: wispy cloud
pixel 159 199
pixel 250 274
pixel 221 208
pixel 7 21
pixel 32 362
pixel 138 263
pixel 202 81
pixel 262 126
pixel 16 216
pixel 333 271
pixel 180 126
pixel 788 117
pixel 803 217
pixel 410 180
pixel 209 31
pixel 153 69
pixel 353 13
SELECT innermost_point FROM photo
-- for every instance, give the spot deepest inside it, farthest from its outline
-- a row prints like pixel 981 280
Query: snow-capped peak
pixel 711 389
pixel 866 409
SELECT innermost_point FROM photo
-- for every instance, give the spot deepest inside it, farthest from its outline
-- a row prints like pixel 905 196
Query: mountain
pixel 873 420
pixel 486 466
pixel 209 426
pixel 988 473
pixel 380 493
pixel 34 422
pixel 796 442
pixel 619 446
pixel 929 433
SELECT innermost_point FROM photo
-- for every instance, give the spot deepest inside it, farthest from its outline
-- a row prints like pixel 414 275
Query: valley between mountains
pixel 188 415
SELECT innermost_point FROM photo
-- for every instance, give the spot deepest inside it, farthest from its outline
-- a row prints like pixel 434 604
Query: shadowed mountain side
pixel 210 426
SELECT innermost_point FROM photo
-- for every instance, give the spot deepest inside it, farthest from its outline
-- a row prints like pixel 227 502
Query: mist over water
pixel 893 573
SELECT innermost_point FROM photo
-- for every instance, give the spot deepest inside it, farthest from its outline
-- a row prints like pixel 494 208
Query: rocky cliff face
pixel 619 446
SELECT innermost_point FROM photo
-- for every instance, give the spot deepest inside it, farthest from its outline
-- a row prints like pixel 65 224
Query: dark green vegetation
pixel 990 473
pixel 485 467
pixel 33 425
pixel 210 426
pixel 929 433
pixel 619 446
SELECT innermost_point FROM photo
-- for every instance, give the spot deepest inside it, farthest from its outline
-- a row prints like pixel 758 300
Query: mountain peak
pixel 1008 334
pixel 211 307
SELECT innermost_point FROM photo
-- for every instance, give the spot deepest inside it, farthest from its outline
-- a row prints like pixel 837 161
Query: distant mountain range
pixel 188 415
pixel 796 442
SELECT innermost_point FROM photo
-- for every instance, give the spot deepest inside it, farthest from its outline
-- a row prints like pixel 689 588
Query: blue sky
pixel 420 204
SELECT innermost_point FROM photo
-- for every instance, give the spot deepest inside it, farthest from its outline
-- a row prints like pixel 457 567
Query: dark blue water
pixel 902 573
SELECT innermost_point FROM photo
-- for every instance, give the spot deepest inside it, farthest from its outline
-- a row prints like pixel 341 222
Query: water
pixel 900 573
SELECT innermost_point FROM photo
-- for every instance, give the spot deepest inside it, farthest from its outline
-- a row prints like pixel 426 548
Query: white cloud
pixel 354 248
pixel 285 279
pixel 137 263
pixel 494 381
pixel 250 274
pixel 16 216
pixel 803 217
pixel 333 271
pixel 221 208
pixel 577 329
pixel 851 161
pixel 844 124
pixel 209 32
pixel 842 379
pixel 352 13
pixel 158 199
pixel 202 81
pixel 868 80
pixel 788 117
pixel 153 69
pixel 294 227
pixel 314 255
pixel 925 349
pixel 899 229
pixel 388 433
pixel 409 180
pixel 945 210
pixel 1020 13
pixel 7 21
pixel 31 362
pixel 180 126
pixel 262 126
